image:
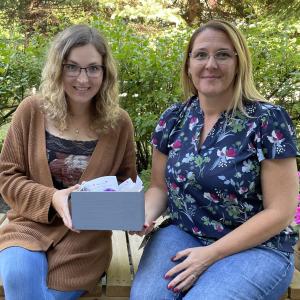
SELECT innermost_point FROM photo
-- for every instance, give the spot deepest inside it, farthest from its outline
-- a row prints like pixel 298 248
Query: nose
pixel 211 62
pixel 82 77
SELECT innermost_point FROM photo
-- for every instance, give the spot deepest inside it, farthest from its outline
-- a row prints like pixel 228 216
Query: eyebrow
pixel 70 61
pixel 205 49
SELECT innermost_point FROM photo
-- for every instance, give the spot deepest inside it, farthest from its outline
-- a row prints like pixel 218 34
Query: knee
pixel 14 277
pixel 143 289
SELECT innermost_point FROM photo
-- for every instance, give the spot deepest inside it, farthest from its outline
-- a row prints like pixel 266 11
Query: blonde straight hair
pixel 244 87
pixel 106 104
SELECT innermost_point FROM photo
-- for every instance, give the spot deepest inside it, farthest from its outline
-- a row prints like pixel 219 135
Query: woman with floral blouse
pixel 224 166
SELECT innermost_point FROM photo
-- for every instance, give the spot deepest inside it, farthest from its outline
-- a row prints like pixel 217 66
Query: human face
pixel 213 79
pixel 81 89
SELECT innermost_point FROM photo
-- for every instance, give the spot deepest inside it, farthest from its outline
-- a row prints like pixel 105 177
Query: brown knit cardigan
pixel 75 260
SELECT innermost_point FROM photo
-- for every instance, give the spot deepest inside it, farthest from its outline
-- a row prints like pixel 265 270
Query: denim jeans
pixel 24 273
pixel 257 273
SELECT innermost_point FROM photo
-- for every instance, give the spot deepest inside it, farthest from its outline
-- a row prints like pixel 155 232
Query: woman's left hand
pixel 196 261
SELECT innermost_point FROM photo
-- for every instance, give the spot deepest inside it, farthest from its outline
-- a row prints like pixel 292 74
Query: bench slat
pixel 2 218
pixel 294 288
pixel 118 275
pixel 136 253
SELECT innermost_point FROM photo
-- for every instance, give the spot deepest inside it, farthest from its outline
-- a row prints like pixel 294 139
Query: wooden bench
pixel 126 256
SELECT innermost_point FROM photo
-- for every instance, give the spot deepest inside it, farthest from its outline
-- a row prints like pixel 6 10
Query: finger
pixel 175 282
pixel 73 188
pixel 180 267
pixel 187 283
pixel 66 216
pixel 181 254
pixel 181 281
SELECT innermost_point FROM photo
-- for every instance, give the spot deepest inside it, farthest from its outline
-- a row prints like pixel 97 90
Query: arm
pixel 156 195
pixel 280 188
pixel 27 197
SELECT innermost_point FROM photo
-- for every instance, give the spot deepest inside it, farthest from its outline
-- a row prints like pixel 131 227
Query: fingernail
pixel 167 277
pixel 173 258
pixel 170 286
pixel 145 226
pixel 176 290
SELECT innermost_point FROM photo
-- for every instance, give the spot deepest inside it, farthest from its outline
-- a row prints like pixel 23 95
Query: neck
pixel 214 105
pixel 79 110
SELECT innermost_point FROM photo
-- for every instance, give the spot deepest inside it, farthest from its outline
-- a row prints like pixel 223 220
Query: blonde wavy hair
pixel 244 87
pixel 106 104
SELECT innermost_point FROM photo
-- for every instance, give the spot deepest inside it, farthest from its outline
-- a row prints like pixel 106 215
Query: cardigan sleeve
pixel 28 198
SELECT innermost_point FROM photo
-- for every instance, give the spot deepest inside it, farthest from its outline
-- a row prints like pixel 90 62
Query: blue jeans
pixel 257 273
pixel 24 276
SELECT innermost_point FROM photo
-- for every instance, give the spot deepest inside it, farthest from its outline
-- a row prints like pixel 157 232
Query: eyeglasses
pixel 221 56
pixel 93 71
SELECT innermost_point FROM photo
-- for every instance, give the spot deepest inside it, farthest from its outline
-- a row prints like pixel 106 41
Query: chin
pixel 80 99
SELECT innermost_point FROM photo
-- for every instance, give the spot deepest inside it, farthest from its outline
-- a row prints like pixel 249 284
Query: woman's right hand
pixel 147 227
pixel 60 202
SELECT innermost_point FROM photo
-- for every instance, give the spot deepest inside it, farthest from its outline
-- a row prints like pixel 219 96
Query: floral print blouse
pixel 215 187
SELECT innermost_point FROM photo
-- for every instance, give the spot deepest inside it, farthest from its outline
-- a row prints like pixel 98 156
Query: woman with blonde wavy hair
pixel 73 130
pixel 224 166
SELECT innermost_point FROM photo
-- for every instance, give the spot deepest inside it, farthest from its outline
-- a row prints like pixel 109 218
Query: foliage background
pixel 148 40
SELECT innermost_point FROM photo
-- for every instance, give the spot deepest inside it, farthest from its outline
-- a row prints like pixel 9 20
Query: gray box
pixel 108 210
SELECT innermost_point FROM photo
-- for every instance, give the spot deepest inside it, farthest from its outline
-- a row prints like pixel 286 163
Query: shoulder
pixel 124 118
pixel 174 111
pixel 260 109
pixel 28 107
pixel 30 103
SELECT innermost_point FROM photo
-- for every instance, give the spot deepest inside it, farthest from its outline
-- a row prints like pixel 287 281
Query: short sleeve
pixel 164 127
pixel 275 136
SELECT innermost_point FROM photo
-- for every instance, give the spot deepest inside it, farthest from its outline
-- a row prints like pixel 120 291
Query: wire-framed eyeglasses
pixel 221 56
pixel 73 70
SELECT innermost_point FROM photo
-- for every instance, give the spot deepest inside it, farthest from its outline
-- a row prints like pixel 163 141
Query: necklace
pixel 77 131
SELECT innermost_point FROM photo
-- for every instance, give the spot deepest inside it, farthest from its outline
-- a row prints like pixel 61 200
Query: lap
pixel 24 276
pixel 257 273
pixel 254 273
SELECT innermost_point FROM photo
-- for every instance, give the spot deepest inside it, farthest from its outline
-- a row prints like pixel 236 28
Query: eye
pixel 71 67
pixel 201 55
pixel 95 69
pixel 223 55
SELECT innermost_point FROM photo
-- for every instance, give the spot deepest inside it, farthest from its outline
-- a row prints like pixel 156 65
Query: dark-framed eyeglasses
pixel 221 56
pixel 93 71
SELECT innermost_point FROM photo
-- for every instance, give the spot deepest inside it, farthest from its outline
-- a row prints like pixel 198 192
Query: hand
pixel 61 204
pixel 145 230
pixel 196 261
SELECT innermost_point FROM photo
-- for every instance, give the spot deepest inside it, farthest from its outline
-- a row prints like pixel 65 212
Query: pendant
pixel 77 131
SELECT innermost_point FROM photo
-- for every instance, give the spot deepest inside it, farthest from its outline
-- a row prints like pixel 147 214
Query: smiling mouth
pixel 210 77
pixel 81 89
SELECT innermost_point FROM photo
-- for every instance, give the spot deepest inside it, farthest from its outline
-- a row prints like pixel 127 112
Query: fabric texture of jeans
pixel 258 273
pixel 24 276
